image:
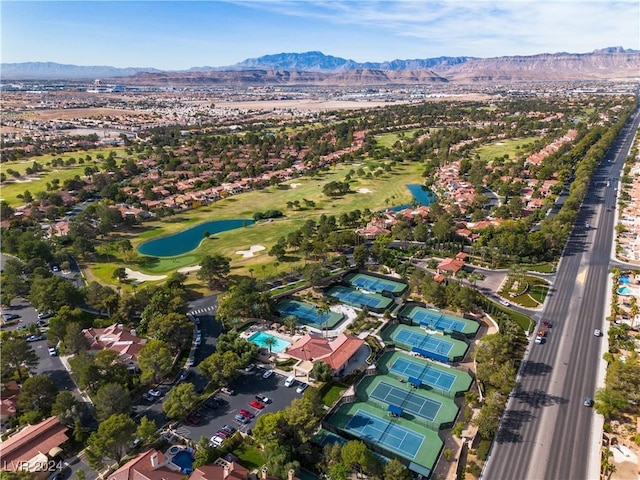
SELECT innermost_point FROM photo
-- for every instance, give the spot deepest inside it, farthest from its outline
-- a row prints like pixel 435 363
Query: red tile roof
pixel 334 353
pixel 30 441
pixel 141 467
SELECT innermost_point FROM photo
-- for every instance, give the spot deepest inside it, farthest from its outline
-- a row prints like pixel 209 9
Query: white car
pixel 155 393
pixel 302 387
pixel 597 332
pixel 267 373
pixel 53 351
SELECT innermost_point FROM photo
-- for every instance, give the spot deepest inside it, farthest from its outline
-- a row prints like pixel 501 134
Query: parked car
pixel 53 351
pixel 194 419
pixel 267 373
pixel 246 413
pixel 229 428
pixel 223 434
pixel 148 397
pixel 155 393
pixel 302 387
pixel 227 391
pixel 240 419
pixel 250 367
pixel 185 374
pixel 216 441
pixel 45 314
pixel 263 398
pixel 35 338
pixel 211 403
pixel 256 404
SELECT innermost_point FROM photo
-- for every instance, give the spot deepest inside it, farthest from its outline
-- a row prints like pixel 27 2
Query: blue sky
pixel 177 35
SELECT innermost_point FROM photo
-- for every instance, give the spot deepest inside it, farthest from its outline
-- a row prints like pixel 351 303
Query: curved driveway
pixel 546 431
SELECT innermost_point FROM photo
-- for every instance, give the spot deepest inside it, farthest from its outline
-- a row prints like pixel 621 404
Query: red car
pixel 246 413
pixel 546 324
pixel 193 419
pixel 256 404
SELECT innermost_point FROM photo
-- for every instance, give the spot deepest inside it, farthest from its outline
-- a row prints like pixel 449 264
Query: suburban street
pixel 547 432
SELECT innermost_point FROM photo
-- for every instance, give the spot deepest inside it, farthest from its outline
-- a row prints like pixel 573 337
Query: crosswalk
pixel 200 311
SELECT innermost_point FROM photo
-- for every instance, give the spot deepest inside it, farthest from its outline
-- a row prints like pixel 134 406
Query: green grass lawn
pixel 389 139
pixel 11 189
pixel 546 267
pixel 511 147
pixel 387 190
pixel 250 456
pixel 331 394
pixel 532 297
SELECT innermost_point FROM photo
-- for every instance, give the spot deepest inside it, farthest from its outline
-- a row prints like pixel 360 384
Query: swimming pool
pixel 624 280
pixel 260 339
pixel 184 460
pixel 624 290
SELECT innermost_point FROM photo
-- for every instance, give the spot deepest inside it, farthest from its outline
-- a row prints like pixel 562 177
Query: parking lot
pixel 246 387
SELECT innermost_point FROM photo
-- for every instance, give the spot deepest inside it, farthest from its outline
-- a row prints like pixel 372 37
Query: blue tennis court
pixel 375 284
pixel 354 297
pixel 424 342
pixel 425 373
pixel 437 320
pixel 407 400
pixel 385 433
pixel 309 314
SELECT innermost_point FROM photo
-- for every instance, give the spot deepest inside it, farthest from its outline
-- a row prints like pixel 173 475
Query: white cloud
pixel 481 27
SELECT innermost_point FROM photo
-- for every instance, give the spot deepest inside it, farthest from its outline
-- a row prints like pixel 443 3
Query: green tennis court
pixel 309 314
pixel 441 379
pixel 438 320
pixel 355 298
pixel 383 434
pixel 438 347
pixel 424 373
pixel 375 284
pixel 407 400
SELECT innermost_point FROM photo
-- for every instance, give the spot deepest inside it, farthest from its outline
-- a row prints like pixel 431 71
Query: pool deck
pixel 280 356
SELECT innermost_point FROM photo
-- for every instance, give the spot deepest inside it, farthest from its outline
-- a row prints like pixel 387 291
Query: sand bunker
pixel 364 190
pixel 249 253
pixel 194 268
pixel 294 185
pixel 139 277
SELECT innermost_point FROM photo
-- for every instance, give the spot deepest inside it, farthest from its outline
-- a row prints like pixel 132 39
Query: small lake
pixel 187 240
pixel 422 195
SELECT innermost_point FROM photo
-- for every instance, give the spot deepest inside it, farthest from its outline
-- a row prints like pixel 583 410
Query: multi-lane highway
pixel 547 432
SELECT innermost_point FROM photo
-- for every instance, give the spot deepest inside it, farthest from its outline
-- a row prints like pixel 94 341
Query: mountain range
pixel 316 68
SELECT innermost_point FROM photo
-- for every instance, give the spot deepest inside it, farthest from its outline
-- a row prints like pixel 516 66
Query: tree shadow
pixel 529 368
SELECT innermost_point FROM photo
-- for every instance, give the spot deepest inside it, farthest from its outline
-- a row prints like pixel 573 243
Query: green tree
pixel 16 354
pixel 205 453
pixel 360 255
pixel 52 293
pixel 84 370
pixel 488 419
pixel 321 371
pixel 610 402
pixel 395 470
pixel 221 367
pixel 146 430
pixel 180 401
pixel 113 437
pixel 38 393
pixel 357 456
pixel 65 407
pixel 303 414
pixel 155 361
pixel 74 340
pixel 213 269
pixel 111 399
pixel 174 329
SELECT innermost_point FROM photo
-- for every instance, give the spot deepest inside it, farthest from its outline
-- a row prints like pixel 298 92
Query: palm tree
pixel 276 265
pixel 270 342
pixel 290 321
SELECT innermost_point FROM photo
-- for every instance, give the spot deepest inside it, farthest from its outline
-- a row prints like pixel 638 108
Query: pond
pixel 187 240
pixel 422 196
